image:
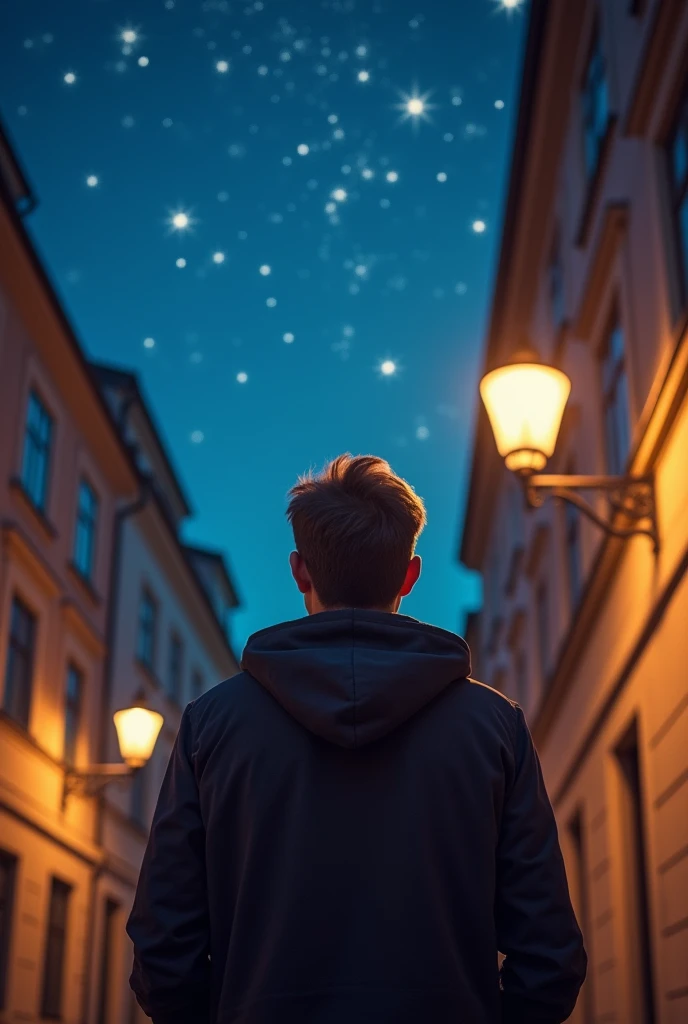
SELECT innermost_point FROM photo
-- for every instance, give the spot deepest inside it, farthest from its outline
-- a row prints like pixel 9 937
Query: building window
pixel 615 401
pixel 148 611
pixel 110 912
pixel 678 164
pixel 36 460
pixel 573 553
pixel 579 886
pixel 635 877
pixel 595 106
pixel 556 284
pixel 73 701
pixel 138 796
pixel 542 620
pixel 53 973
pixel 8 869
pixel 197 685
pixel 20 658
pixel 85 532
pixel 176 668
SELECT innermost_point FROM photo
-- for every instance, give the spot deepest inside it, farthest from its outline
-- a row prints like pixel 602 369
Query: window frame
pixel 138 804
pixel 573 548
pixel 589 114
pixel 52 1002
pixel 34 443
pixel 111 911
pixel 10 697
pixel 77 705
pixel 10 863
pixel 611 380
pixel 89 522
pixel 678 195
pixel 147 597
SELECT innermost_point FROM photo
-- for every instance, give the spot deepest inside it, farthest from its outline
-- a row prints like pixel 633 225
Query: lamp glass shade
pixel 525 403
pixel 137 731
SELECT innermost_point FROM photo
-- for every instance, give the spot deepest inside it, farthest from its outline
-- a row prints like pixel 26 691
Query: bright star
pixel 271 303
pixel 222 66
pixel 143 62
pixel 392 176
pixel 367 173
pixel 363 76
pixel 302 149
pixel 218 257
pixel 339 194
pixel 181 262
pixel 92 180
pixel 415 106
pixel 70 78
pixel 265 270
pixel 242 377
pixel 442 176
pixel 129 36
pixel 180 221
pixel 479 226
pixel 509 5
pixel 499 104
pixel 388 367
pixel 288 337
pixel 149 342
pixel 360 270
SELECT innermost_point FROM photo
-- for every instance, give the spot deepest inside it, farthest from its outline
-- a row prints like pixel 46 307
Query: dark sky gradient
pixel 177 134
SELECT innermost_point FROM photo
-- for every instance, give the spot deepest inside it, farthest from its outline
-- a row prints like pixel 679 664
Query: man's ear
pixel 411 578
pixel 300 572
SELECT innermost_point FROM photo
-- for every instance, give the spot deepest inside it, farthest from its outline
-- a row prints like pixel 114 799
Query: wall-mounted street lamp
pixel 138 728
pixel 525 402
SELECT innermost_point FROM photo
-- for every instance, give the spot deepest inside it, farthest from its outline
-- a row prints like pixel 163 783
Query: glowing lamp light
pixel 137 731
pixel 525 403
pixel 415 106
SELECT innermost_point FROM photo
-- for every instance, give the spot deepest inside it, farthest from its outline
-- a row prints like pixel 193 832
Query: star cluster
pixel 287 205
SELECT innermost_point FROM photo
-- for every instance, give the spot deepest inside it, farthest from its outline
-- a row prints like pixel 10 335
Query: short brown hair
pixel 355 526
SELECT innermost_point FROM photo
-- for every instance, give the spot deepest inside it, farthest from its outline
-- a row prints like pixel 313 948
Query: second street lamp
pixel 138 728
pixel 525 402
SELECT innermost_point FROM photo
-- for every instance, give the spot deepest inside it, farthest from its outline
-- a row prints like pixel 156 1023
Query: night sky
pixel 284 216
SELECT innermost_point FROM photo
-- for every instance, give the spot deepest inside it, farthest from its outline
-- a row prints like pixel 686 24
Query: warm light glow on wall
pixel 525 403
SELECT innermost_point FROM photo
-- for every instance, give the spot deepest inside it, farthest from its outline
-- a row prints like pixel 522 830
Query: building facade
pixel 589 632
pixel 99 599
pixel 171 605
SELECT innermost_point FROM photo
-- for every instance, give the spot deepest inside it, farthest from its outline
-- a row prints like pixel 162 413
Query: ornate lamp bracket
pixel 90 781
pixel 630 498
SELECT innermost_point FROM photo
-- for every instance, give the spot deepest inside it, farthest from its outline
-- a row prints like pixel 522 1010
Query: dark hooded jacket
pixel 348 832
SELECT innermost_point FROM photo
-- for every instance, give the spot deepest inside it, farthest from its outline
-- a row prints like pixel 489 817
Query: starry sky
pixel 284 215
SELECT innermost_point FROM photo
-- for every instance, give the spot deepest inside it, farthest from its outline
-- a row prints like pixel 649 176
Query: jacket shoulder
pixel 490 695
pixel 226 691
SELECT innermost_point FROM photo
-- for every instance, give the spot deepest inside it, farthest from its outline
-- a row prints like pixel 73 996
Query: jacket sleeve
pixel 544 959
pixel 169 923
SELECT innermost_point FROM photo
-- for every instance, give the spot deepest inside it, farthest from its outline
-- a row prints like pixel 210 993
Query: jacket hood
pixel 353 676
